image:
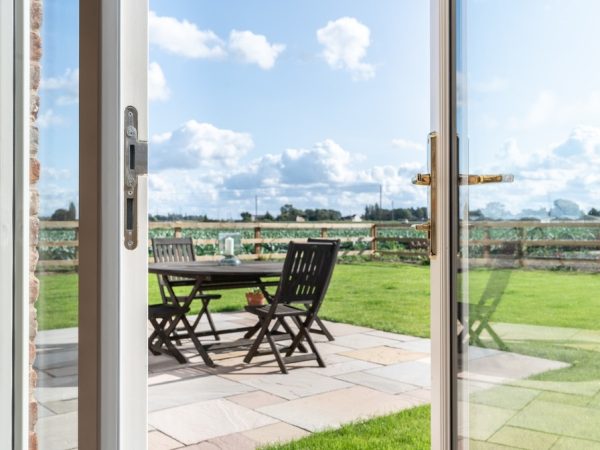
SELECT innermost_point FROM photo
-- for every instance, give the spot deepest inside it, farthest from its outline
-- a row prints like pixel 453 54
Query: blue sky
pixel 317 103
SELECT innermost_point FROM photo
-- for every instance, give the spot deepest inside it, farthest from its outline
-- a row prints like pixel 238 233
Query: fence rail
pixel 486 246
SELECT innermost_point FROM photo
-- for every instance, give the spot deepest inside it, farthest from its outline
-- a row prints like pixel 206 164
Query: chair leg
pixel 276 353
pixel 323 329
pixel 298 323
pixel 201 350
pixel 264 327
pixel 312 345
pixel 162 338
pixel 210 320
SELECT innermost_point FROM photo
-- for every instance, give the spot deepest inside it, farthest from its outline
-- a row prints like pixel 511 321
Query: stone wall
pixel 36 56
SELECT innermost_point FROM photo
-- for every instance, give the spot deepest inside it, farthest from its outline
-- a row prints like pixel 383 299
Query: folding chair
pixel 480 314
pixel 304 281
pixel 164 318
pixel 182 250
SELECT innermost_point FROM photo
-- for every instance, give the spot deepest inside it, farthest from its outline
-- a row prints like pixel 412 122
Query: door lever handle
pixel 422 179
pixel 485 179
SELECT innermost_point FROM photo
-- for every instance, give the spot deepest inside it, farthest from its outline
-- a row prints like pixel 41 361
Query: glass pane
pixel 54 189
pixel 273 122
pixel 529 307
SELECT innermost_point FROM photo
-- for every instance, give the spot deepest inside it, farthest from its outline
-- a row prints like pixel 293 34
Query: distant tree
pixel 374 212
pixel 72 212
pixel 322 215
pixel 594 212
pixel 268 217
pixel 246 216
pixel 62 214
pixel 289 213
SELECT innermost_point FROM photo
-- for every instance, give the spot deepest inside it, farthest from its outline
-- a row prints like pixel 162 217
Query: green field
pixel 390 297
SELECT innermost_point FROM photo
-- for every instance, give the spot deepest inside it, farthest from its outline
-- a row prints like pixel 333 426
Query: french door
pixel 514 303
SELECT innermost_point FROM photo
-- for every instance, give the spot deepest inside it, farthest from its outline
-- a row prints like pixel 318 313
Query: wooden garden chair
pixel 304 281
pixel 480 313
pixel 182 250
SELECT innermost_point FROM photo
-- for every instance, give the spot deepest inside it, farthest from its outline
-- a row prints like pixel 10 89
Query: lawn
pixel 407 429
pixel 390 297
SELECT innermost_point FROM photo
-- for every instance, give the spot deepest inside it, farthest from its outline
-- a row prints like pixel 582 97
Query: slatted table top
pixel 210 269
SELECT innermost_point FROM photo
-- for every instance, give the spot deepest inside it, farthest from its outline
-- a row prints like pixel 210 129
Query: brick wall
pixel 36 55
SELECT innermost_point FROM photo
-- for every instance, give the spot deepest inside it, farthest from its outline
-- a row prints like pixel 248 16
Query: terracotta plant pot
pixel 255 299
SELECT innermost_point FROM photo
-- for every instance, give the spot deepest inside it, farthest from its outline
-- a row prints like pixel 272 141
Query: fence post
pixel 323 232
pixel 486 247
pixel 76 254
pixel 374 238
pixel 178 232
pixel 257 246
pixel 522 246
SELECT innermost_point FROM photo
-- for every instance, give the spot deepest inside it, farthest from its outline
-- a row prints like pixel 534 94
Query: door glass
pixel 54 206
pixel 528 304
pixel 279 121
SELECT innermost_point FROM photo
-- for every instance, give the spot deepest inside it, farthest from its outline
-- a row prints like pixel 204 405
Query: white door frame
pixel 443 265
pixel 14 223
pixel 113 280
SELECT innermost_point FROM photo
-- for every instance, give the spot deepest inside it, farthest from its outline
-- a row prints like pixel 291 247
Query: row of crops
pixel 507 240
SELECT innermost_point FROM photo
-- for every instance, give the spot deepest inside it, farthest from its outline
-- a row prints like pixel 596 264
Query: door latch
pixel 135 164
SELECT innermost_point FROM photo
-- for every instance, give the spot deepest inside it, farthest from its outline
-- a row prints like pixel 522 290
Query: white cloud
pixel 52 173
pixel 560 171
pixel 184 38
pixel 254 48
pixel 345 43
pixel 66 84
pixel 404 144
pixel 196 144
pixel 49 118
pixel 157 83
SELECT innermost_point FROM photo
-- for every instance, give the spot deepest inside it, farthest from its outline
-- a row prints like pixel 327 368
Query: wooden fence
pixel 386 239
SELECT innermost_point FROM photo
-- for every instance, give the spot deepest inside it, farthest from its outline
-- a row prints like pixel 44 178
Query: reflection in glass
pixel 528 311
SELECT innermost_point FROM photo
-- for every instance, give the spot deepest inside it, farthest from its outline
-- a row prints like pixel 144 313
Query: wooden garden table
pixel 210 276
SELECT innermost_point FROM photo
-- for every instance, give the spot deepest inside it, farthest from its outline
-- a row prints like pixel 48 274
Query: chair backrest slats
pixel 306 272
pixel 173 250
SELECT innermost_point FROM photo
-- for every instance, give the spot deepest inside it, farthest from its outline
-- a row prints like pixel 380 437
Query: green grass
pixel 391 297
pixel 408 429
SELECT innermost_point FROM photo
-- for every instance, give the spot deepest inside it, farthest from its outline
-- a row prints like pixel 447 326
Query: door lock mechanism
pixel 135 164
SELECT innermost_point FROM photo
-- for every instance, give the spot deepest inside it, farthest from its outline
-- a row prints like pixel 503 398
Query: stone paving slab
pixel 197 422
pixel 276 433
pixel 332 409
pixel 412 372
pixel 194 390
pixel 385 355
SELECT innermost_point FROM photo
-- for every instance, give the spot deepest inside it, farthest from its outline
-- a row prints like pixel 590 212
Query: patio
pixel 237 406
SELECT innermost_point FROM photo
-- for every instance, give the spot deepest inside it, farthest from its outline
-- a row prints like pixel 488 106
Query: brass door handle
pixel 485 179
pixel 429 179
pixel 422 179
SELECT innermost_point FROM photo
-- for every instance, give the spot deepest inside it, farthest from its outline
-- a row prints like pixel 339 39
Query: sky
pixel 319 103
